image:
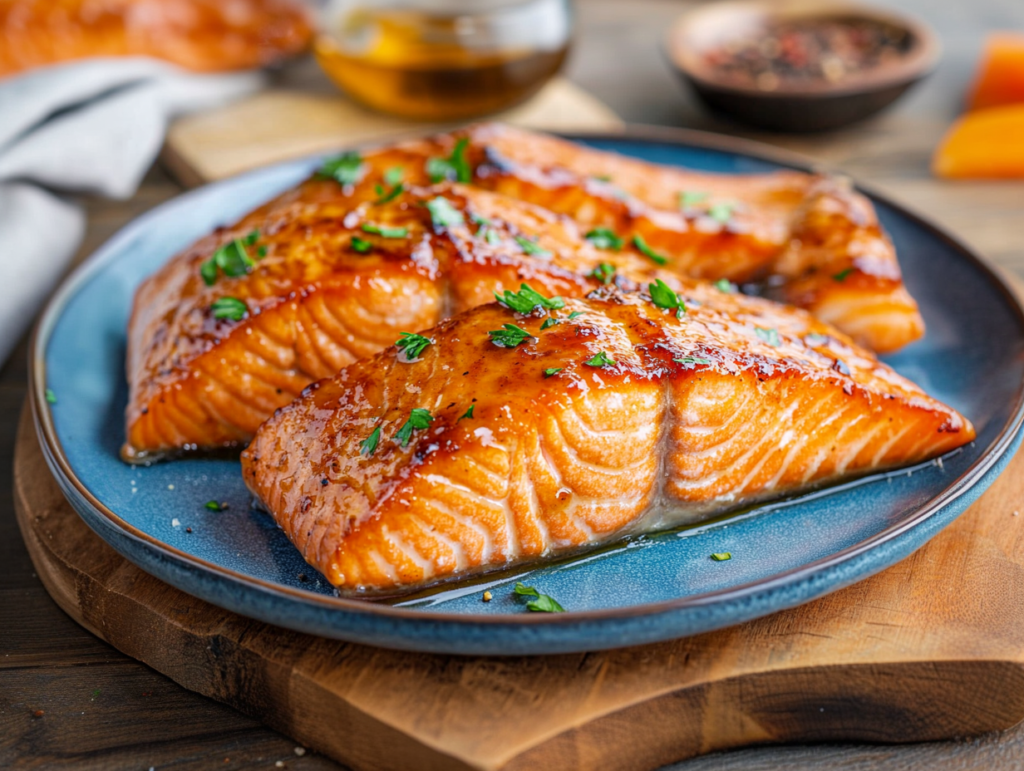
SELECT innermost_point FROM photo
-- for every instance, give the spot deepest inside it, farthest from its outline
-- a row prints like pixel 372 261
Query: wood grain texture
pixel 278 125
pixel 932 648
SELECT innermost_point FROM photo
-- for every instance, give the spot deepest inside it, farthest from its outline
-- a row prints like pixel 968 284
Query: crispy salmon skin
pixel 512 436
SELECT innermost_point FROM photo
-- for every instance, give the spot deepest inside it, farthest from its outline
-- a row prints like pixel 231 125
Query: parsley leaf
pixel 725 285
pixel 51 397
pixel 692 360
pixel 444 214
pixel 530 247
pixel 721 212
pixel 688 198
pixel 647 251
pixel 526 299
pixel 454 168
pixel 261 252
pixel 419 419
pixel 229 308
pixel 385 232
pixel 368 446
pixel 549 322
pixel 769 336
pixel 552 371
pixel 346 169
pixel 231 259
pixel 574 314
pixel 491 236
pixel 663 296
pixel 509 336
pixel 604 272
pixel 389 195
pixel 721 556
pixel 542 602
pixel 841 275
pixel 361 245
pixel 214 506
pixel 412 344
pixel 394 175
pixel 468 413
pixel 252 238
pixel 601 359
pixel 604 238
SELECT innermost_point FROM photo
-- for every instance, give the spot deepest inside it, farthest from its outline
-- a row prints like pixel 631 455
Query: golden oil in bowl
pixel 443 60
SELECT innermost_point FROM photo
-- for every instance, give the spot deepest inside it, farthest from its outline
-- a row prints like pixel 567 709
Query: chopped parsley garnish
pixel 419 419
pixel 252 238
pixel 444 214
pixel 721 212
pixel 530 247
pixel 261 252
pixel 231 259
pixel 468 413
pixel 814 340
pixel 721 556
pixel 491 236
pixel 454 168
pixel 575 314
pixel 361 245
pixel 51 397
pixel 769 336
pixel 552 371
pixel 663 296
pixel 385 232
pixel 346 169
pixel 604 272
pixel 214 506
pixel 647 251
pixel 688 198
pixel 394 175
pixel 604 238
pixel 602 177
pixel 412 344
pixel 841 275
pixel 229 308
pixel 526 299
pixel 692 360
pixel 368 446
pixel 384 196
pixel 509 336
pixel 541 603
pixel 725 285
pixel 549 322
pixel 601 359
pixel 479 219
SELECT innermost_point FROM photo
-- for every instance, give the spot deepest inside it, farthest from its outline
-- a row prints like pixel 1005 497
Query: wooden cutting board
pixel 274 126
pixel 932 648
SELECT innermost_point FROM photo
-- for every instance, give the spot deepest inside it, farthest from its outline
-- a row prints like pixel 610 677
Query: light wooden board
pixel 274 126
pixel 931 648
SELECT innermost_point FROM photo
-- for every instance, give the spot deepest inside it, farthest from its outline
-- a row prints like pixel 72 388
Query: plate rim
pixel 663 135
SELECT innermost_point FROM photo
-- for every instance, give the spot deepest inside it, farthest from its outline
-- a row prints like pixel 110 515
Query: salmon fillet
pixel 320 292
pixel 810 240
pixel 622 417
pixel 203 35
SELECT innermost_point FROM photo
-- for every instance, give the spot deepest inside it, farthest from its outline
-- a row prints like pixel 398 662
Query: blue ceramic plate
pixel 648 589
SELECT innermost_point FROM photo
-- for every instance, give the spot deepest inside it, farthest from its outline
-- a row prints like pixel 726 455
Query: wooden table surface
pixel 68 700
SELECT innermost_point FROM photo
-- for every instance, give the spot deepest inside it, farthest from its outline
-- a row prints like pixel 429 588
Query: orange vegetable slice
pixel 1001 77
pixel 984 144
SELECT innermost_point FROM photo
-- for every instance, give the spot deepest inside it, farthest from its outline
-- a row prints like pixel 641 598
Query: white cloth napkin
pixel 89 126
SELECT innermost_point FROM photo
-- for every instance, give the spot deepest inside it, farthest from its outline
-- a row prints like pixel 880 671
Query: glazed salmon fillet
pixel 321 280
pixel 202 35
pixel 616 414
pixel 810 240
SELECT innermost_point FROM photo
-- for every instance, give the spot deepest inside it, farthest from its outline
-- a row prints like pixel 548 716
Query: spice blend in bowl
pixel 796 65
